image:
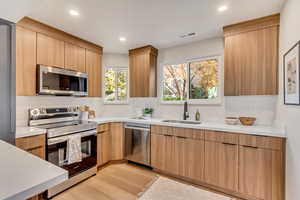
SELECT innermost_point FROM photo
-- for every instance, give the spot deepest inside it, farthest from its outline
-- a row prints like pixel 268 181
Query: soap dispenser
pixel 197 115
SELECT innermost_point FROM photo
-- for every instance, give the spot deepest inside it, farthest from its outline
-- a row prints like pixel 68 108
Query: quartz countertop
pixel 215 126
pixel 23 175
pixel 29 131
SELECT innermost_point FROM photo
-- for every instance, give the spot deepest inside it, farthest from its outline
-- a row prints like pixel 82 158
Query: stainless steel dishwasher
pixel 137 143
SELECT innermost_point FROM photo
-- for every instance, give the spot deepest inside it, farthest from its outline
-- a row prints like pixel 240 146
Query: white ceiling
pixel 142 22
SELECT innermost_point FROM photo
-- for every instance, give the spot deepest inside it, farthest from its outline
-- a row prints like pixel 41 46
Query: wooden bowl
pixel 247 121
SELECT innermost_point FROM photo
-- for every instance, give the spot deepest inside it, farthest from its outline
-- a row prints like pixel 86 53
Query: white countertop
pixel 23 175
pixel 29 131
pixel 253 130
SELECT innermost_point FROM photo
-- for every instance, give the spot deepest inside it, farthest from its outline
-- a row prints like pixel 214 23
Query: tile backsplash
pixel 261 107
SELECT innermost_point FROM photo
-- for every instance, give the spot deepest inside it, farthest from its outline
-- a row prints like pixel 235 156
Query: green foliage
pixel 148 110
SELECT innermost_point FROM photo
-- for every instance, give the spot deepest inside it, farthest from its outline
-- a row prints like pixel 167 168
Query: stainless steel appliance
pixel 56 81
pixel 7 81
pixel 137 143
pixel 60 123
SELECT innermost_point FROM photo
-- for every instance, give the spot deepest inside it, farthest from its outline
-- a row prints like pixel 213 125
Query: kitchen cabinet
pixel 50 51
pixel 38 43
pixel 25 62
pixel 251 57
pixel 35 145
pixel 261 167
pixel 189 158
pixel 221 160
pixel 142 67
pixel 93 69
pixel 103 145
pixel 117 141
pixel 74 57
pixel 162 153
pixel 248 166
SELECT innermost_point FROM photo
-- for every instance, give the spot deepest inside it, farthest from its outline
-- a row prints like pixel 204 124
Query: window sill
pixel 116 103
pixel 194 102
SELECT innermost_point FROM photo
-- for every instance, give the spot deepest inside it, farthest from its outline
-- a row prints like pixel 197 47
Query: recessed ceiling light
pixel 122 39
pixel 223 8
pixel 74 12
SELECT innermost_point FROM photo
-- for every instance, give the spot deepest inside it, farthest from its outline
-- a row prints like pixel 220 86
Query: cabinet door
pixel 162 153
pixel 25 62
pixel 221 165
pixel 103 148
pixel 139 75
pixel 261 173
pixel 93 68
pixel 117 141
pixel 74 57
pixel 232 69
pixel 50 51
pixel 189 158
pixel 39 152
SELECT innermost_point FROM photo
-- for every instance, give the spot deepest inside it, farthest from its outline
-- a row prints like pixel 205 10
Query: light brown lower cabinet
pixel 103 148
pixel 35 145
pixel 117 141
pixel 221 165
pixel 247 166
pixel 162 153
pixel 189 158
pixel 261 173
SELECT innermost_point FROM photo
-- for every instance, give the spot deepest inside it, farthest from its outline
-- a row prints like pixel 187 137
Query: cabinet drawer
pixel 162 130
pixel 29 143
pixel 189 133
pixel 221 137
pixel 102 127
pixel 261 142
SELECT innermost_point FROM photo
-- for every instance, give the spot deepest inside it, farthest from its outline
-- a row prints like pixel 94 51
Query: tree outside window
pixel 194 80
pixel 116 84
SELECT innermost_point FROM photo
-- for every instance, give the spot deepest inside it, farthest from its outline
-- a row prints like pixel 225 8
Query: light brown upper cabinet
pixel 25 62
pixel 93 68
pixel 251 57
pixel 50 51
pixel 74 57
pixel 142 67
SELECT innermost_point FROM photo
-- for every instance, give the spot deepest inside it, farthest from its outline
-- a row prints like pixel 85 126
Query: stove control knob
pixel 35 112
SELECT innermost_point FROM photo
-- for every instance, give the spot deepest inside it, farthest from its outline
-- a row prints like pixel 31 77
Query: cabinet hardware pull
pixel 168 135
pixel 225 143
pixel 246 146
pixel 181 137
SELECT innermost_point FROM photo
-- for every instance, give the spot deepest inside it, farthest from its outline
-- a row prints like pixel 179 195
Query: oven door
pixel 57 153
pixel 56 81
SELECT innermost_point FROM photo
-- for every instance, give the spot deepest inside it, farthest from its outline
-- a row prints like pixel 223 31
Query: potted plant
pixel 147 112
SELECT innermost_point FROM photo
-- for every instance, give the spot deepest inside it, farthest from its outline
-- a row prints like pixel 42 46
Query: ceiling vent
pixel 187 35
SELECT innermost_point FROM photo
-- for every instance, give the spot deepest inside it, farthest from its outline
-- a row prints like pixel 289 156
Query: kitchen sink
pixel 182 122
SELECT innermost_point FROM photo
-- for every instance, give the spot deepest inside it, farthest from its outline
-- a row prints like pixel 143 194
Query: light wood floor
pixel 115 182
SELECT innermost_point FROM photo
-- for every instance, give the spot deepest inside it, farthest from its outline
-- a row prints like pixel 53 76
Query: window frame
pixel 215 101
pixel 116 68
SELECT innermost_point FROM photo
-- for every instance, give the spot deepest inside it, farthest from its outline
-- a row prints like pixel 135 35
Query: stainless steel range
pixel 61 123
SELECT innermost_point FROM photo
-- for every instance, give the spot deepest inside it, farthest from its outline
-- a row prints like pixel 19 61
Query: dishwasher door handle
pixel 137 128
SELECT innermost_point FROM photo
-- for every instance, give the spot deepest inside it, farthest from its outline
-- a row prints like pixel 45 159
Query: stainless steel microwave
pixel 61 82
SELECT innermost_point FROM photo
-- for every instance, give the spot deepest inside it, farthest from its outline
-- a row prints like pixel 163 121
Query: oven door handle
pixel 57 140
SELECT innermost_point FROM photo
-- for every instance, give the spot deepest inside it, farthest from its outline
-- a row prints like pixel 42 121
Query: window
pixel 196 81
pixel 116 84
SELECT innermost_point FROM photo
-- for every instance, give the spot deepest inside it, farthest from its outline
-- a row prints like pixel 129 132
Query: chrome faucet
pixel 185 111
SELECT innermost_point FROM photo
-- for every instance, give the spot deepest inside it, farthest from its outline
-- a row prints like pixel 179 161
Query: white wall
pixel 262 107
pixel 290 115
